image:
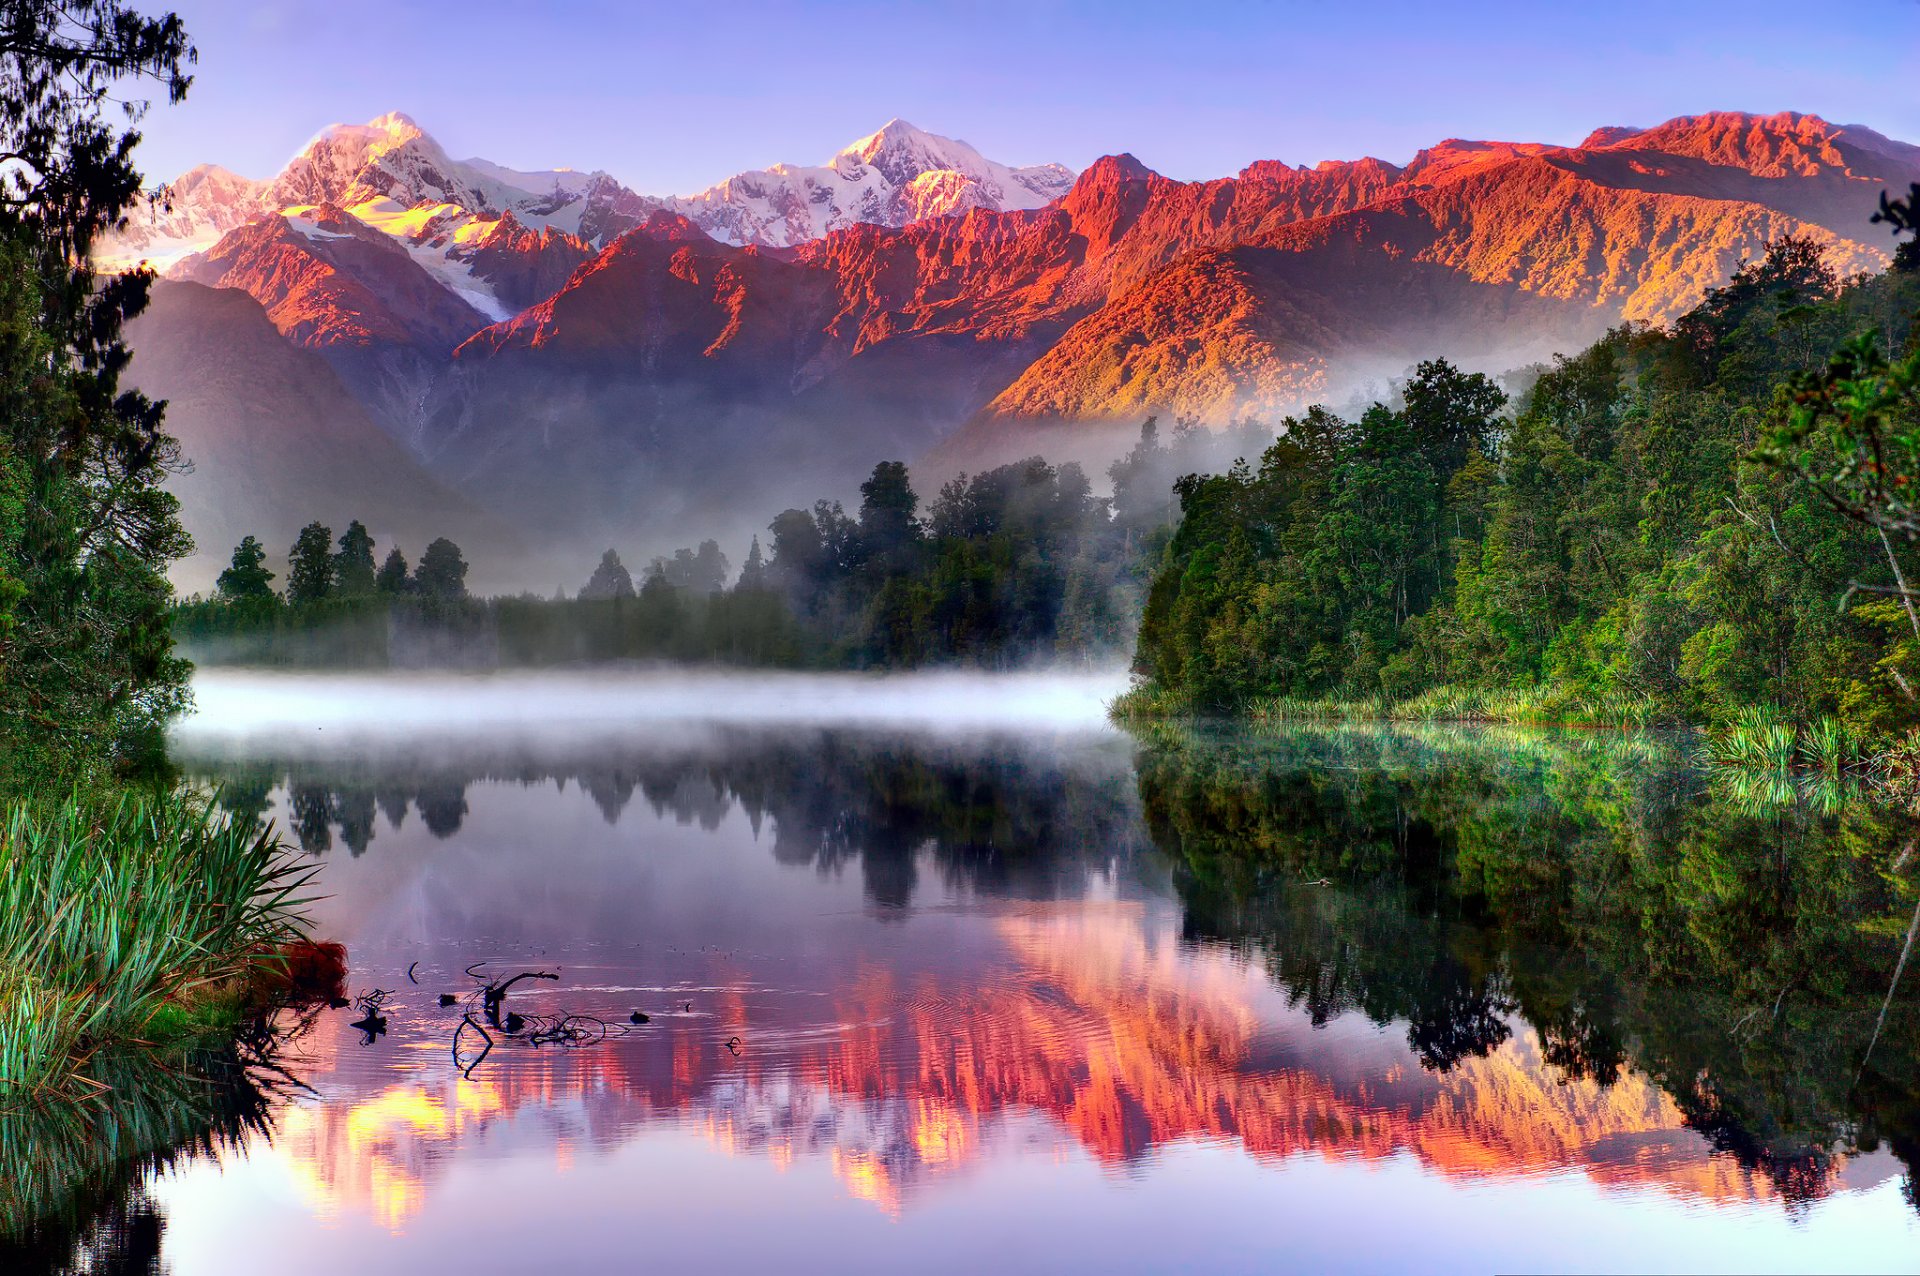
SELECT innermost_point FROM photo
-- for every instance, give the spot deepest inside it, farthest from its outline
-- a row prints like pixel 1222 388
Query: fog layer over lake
pixel 238 704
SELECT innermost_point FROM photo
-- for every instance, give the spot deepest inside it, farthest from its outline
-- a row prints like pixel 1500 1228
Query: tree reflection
pixel 1005 817
pixel 75 1197
pixel 1596 887
pixel 1454 884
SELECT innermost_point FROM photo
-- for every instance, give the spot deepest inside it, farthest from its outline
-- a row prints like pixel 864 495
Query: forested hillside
pixel 1650 532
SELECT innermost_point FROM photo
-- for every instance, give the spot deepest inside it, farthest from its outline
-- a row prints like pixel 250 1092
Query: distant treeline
pixel 1015 564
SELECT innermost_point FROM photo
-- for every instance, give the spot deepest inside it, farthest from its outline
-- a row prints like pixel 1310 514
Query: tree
pixel 753 573
pixel 1903 215
pixel 1452 413
pixel 1852 432
pixel 392 578
pixel 353 574
pixel 609 580
pixel 248 578
pixel 310 565
pixel 442 572
pixel 85 527
pixel 890 532
pixel 702 571
pixel 799 558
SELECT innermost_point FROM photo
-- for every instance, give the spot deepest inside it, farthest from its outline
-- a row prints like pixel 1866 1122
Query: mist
pixel 232 705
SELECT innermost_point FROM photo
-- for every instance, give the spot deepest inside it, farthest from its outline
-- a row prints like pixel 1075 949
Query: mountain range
pixel 552 359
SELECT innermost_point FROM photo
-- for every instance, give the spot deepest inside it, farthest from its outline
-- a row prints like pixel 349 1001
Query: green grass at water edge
pixel 129 920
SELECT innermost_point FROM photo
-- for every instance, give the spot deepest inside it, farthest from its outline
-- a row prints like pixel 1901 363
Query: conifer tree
pixel 247 578
pixel 392 577
pixel 310 565
pixel 353 574
pixel 442 572
pixel 753 574
pixel 609 580
pixel 86 529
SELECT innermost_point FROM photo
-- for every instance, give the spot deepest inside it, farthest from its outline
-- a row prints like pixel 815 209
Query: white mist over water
pixel 233 703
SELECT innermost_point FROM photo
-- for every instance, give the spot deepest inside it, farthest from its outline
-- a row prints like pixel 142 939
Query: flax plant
pixel 110 912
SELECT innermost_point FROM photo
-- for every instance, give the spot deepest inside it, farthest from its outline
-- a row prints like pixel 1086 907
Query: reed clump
pixel 1759 738
pixel 117 915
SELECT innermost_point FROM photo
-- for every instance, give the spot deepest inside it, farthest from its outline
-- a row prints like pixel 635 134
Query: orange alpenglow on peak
pixel 905 283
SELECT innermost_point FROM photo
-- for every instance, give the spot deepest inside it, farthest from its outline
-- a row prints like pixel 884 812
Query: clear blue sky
pixel 671 97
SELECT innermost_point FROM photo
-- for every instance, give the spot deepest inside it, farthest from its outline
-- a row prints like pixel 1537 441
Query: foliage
pixel 109 911
pixel 609 580
pixel 353 573
pixel 86 670
pixel 247 577
pixel 1017 563
pixel 310 565
pixel 442 572
pixel 393 577
pixel 1454 884
pixel 1622 548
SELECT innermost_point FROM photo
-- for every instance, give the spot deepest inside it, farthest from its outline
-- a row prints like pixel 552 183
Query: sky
pixel 672 97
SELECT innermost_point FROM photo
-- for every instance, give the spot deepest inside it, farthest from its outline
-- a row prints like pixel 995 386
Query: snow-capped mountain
pixel 898 175
pixel 393 176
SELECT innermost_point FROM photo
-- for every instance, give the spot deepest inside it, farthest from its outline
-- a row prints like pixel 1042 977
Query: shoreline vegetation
pixel 142 924
pixel 138 925
pixel 1014 565
pixel 1705 526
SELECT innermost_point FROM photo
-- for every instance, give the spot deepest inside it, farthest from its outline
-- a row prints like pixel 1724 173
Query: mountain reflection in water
pixel 960 964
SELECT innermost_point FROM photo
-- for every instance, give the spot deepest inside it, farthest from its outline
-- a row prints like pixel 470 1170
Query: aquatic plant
pixel 111 912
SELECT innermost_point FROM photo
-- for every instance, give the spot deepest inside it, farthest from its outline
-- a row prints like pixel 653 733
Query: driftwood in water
pixel 371 1022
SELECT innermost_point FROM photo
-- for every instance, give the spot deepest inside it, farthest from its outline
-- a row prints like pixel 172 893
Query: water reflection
pixel 75 1194
pixel 959 965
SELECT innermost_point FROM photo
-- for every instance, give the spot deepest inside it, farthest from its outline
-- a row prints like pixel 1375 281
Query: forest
pixel 1012 565
pixel 1680 525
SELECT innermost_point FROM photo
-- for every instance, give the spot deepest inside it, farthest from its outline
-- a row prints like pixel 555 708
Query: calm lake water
pixel 946 974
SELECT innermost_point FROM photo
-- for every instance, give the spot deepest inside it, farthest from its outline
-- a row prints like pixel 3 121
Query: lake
pixel 945 973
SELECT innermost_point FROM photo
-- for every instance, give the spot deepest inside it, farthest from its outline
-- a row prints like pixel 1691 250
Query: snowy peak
pixel 392 174
pixel 891 177
pixel 323 170
pixel 902 152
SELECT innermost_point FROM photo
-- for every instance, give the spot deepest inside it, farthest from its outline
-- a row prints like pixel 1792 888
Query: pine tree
pixel 392 578
pixel 353 575
pixel 310 565
pixel 753 575
pixel 248 577
pixel 442 572
pixel 609 580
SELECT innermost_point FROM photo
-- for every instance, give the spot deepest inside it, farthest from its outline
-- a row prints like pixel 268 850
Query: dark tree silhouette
pixel 247 577
pixel 609 580
pixel 392 577
pixel 353 574
pixel 310 565
pixel 442 572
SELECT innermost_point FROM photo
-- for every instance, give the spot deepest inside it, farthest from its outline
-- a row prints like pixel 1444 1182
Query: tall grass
pixel 111 911
pixel 1759 738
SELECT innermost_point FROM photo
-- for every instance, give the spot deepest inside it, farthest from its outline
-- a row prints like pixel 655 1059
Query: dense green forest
pixel 1672 525
pixel 1013 564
